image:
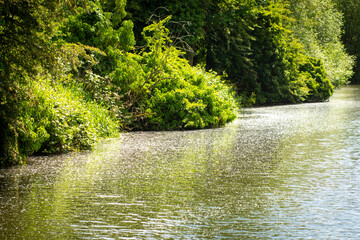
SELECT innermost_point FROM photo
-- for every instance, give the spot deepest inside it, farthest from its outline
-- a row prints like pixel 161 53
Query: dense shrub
pixel 58 119
pixel 163 91
pixel 320 87
pixel 190 98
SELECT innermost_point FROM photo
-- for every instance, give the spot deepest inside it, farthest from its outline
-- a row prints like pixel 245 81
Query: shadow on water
pixel 282 171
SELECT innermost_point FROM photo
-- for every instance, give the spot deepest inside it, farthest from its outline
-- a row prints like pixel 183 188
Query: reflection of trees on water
pixel 200 183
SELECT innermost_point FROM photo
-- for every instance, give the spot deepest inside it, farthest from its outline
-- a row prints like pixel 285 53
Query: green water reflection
pixel 278 172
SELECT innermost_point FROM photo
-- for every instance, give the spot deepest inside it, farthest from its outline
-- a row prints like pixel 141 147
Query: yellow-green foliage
pixel 189 97
pixel 58 119
pixel 170 94
pixel 166 93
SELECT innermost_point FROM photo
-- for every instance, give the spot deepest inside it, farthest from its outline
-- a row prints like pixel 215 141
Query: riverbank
pixel 79 71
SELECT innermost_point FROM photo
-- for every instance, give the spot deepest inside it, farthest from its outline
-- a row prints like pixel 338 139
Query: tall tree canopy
pixel 255 44
pixel 318 25
pixel 351 31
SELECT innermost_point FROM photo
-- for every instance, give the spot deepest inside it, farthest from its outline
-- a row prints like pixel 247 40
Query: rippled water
pixel 277 172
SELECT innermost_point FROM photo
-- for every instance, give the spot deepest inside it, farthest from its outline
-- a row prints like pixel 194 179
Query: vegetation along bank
pixel 73 72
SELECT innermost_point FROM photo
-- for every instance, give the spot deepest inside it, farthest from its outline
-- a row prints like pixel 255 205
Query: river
pixel 281 172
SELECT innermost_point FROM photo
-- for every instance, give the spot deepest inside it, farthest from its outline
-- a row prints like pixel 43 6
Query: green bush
pixel 320 87
pixel 191 98
pixel 92 26
pixel 58 119
pixel 163 92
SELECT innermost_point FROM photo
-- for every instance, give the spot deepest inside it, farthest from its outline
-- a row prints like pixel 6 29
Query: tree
pixel 24 45
pixel 318 25
pixel 227 42
pixel 149 80
pixel 188 20
pixel 250 41
pixel 351 32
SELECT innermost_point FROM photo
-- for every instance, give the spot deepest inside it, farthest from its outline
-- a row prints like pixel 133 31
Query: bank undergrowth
pixel 58 119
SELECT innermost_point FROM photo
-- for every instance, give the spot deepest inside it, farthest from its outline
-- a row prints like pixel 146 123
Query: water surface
pixel 284 172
